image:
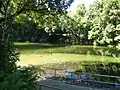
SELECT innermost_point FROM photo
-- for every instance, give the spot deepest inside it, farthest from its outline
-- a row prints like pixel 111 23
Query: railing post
pixel 55 72
pixel 40 87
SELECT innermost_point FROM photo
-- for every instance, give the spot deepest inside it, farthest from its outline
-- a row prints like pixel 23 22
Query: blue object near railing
pixel 83 76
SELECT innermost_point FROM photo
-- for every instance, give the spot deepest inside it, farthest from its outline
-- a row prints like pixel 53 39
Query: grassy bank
pixel 96 60
pixel 40 59
pixel 37 48
pixel 39 54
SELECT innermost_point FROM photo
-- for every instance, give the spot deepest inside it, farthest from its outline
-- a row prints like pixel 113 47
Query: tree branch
pixel 29 9
pixel 5 19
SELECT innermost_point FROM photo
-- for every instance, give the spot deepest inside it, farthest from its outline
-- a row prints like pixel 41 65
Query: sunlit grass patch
pixel 40 59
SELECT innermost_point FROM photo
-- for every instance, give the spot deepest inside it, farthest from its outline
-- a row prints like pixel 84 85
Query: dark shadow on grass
pixel 37 46
pixel 56 48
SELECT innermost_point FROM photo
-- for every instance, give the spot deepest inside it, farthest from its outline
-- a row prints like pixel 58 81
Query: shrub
pixel 12 77
pixel 22 79
pixel 8 57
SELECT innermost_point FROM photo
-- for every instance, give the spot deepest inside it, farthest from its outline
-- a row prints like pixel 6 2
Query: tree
pixel 80 12
pixel 10 11
pixel 82 24
pixel 106 22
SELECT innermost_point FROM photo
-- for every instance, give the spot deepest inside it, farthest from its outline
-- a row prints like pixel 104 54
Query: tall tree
pixel 10 10
pixel 106 22
pixel 10 77
pixel 82 25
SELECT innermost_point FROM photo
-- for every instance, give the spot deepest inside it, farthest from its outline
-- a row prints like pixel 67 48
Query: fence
pixel 54 72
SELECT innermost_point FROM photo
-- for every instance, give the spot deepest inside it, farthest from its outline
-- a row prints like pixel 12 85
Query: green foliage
pixel 8 57
pixel 20 11
pixel 100 24
pixel 103 68
pixel 80 12
pixel 22 79
pixel 12 77
pixel 105 29
pixel 43 11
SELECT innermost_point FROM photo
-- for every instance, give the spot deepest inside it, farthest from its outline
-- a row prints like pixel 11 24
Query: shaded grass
pixel 37 48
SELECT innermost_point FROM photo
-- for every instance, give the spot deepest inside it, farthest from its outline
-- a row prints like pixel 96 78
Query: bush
pixel 12 77
pixel 8 57
pixel 21 79
pixel 108 68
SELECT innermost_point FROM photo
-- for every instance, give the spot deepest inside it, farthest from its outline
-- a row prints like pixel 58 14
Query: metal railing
pixel 56 70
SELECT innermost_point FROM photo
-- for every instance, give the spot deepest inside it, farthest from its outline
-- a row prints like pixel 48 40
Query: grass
pixel 39 54
pixel 39 59
pixel 90 59
pixel 37 48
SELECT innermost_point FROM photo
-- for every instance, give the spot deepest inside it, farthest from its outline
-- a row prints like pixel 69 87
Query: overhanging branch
pixel 23 9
